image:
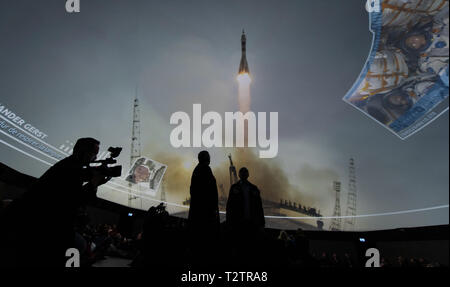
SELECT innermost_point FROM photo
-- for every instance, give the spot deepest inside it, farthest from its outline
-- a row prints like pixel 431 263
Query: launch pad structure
pixel 350 220
pixel 336 221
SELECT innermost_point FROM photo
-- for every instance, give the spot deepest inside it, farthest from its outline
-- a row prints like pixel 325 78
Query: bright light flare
pixel 244 79
pixel 189 164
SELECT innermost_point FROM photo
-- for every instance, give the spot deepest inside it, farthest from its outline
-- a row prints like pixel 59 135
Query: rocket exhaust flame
pixel 243 78
pixel 244 81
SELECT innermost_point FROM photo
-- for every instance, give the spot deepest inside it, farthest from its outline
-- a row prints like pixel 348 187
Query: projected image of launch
pixel 312 159
pixel 125 82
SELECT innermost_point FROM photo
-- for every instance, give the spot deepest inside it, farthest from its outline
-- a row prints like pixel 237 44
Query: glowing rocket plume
pixel 244 81
pixel 244 92
pixel 243 78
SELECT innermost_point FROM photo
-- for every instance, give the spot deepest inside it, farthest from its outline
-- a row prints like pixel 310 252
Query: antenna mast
pixel 336 222
pixel 135 141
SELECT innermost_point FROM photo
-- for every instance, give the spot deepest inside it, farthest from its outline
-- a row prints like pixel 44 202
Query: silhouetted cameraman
pixel 43 219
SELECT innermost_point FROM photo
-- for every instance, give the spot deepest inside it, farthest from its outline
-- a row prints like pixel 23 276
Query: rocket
pixel 243 66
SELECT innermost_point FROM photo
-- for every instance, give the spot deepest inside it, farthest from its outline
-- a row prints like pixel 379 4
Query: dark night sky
pixel 75 75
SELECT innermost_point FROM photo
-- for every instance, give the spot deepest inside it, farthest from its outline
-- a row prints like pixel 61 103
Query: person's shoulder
pixel 196 170
pixel 254 188
pixel 252 185
pixel 60 164
pixel 68 162
pixel 56 168
pixel 201 168
pixel 235 188
pixel 235 185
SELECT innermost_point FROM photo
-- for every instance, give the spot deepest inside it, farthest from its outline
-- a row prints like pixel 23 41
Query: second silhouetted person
pixel 244 207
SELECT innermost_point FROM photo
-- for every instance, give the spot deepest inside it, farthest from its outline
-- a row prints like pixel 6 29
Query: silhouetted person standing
pixel 245 214
pixel 244 206
pixel 45 216
pixel 204 211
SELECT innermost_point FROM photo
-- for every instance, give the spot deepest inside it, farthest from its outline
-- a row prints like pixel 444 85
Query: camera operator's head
pixel 86 150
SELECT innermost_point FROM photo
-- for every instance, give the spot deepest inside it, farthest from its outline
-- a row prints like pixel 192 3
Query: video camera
pixel 113 171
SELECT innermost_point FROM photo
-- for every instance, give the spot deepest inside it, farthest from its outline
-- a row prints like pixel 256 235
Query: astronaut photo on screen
pixel 147 174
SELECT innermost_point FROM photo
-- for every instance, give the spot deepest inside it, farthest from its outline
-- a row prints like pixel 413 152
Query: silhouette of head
pixel 86 150
pixel 243 173
pixel 203 157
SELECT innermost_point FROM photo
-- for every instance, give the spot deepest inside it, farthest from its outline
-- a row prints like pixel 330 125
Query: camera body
pixel 113 171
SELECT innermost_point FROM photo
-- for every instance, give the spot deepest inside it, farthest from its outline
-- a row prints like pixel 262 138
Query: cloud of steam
pixel 177 178
pixel 314 186
pixel 317 187
pixel 265 173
